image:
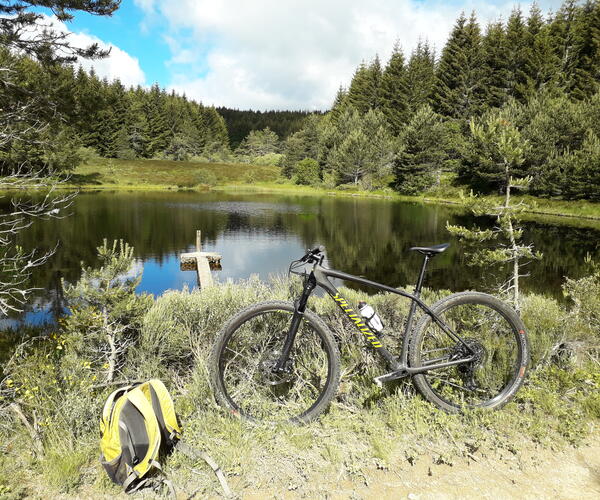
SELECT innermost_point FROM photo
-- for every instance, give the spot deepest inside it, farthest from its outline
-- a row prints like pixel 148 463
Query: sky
pixel 266 54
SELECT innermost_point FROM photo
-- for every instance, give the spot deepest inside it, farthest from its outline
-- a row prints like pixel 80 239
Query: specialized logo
pixel 371 337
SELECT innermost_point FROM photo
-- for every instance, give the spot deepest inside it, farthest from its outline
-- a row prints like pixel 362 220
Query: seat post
pixel 411 311
pixel 421 276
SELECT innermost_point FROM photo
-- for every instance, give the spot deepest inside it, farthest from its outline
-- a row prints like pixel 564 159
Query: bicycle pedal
pixel 388 377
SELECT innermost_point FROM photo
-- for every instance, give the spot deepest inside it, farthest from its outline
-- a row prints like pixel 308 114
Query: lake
pixel 261 234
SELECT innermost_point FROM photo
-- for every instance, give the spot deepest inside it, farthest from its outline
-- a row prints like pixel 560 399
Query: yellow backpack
pixel 138 424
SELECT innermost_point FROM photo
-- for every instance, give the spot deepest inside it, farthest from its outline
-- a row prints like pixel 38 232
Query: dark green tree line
pixel 241 122
pixel 82 110
pixel 542 71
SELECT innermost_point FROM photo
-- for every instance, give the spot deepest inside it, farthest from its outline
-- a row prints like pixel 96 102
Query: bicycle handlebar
pixel 311 254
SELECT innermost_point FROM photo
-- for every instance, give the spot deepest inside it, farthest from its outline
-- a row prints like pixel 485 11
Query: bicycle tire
pixel 218 362
pixel 512 327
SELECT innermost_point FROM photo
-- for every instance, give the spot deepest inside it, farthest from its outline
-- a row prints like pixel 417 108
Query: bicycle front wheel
pixel 248 348
pixel 495 339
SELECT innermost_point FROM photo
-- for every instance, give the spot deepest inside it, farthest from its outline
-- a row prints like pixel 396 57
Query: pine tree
pixel 421 152
pixel 339 104
pixel 363 152
pixel 495 65
pixel 49 45
pixel 105 308
pixel 363 93
pixel 358 92
pixel 258 143
pixel 564 40
pixel 92 105
pixel 581 170
pixel 393 91
pixel 137 127
pixel 517 39
pixel 542 61
pixel 217 139
pixel 505 146
pixel 586 76
pixel 480 166
pixel 156 114
pixel 459 88
pixel 115 129
pixel 375 76
pixel 301 145
pixel 420 77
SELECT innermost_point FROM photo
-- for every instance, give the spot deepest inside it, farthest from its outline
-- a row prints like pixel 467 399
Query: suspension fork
pixel 299 308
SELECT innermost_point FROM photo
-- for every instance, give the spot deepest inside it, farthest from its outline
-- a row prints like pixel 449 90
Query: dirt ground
pixel 531 474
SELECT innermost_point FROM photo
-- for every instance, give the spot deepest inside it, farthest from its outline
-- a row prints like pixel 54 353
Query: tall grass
pixel 365 427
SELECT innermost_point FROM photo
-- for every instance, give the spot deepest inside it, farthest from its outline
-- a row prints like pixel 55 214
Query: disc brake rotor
pixel 267 364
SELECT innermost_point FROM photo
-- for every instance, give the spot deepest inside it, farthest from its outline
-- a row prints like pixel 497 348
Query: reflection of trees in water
pixel 362 236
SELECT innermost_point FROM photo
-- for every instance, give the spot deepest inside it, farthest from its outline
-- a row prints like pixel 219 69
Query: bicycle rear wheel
pixel 496 338
pixel 246 351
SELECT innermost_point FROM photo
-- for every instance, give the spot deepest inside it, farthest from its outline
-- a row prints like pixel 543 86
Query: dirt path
pixel 570 474
pixel 533 474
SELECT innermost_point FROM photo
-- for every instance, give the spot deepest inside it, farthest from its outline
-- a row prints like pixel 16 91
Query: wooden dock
pixel 201 262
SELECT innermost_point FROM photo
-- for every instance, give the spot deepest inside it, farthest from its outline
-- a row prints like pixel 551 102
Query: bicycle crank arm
pixel 388 377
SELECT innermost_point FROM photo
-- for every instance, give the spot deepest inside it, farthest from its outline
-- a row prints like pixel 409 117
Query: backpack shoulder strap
pixel 194 453
pixel 109 405
pixel 164 408
pixel 137 398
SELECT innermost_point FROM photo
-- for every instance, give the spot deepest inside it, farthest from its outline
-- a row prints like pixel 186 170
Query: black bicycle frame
pixel 320 277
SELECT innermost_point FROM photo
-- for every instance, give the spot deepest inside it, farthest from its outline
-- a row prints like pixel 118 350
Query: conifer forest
pixel 400 123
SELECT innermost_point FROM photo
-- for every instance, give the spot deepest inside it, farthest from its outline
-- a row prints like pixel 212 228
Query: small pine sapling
pixel 105 310
pixel 503 142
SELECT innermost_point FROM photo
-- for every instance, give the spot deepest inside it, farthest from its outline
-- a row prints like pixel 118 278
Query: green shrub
pixel 206 177
pixel 182 322
pixel 87 155
pixel 545 320
pixel 270 159
pixel 307 172
pixel 186 184
pixel 57 376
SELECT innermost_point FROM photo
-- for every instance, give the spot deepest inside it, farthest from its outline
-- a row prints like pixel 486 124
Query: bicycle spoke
pixel 486 337
pixel 247 363
pixel 456 385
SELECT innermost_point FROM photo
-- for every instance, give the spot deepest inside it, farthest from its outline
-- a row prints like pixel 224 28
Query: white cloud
pixel 294 54
pixel 119 64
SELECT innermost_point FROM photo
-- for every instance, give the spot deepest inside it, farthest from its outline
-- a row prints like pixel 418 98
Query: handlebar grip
pixel 311 253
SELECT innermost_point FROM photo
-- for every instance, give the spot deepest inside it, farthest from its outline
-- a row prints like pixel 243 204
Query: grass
pixel 240 177
pixel 164 174
pixel 366 428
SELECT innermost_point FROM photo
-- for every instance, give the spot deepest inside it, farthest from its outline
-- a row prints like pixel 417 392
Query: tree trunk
pixel 112 358
pixel 513 243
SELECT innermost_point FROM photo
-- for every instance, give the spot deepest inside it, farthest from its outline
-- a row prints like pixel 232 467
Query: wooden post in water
pixel 201 262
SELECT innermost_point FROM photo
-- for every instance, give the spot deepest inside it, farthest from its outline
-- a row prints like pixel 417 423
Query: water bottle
pixel 371 318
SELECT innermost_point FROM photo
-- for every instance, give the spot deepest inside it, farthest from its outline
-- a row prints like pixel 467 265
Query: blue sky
pixel 125 30
pixel 266 54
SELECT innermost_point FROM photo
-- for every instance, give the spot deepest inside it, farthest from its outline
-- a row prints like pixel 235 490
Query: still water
pixel 261 233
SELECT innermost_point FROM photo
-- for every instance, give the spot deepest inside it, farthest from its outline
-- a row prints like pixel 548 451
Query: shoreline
pixel 290 189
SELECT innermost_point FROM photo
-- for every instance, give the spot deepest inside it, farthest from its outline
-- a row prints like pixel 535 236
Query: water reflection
pixel 261 234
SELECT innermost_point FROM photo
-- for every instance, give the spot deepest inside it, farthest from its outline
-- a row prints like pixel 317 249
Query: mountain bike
pixel 279 361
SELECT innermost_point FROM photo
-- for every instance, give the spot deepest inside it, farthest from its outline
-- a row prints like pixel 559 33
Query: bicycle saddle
pixel 433 250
